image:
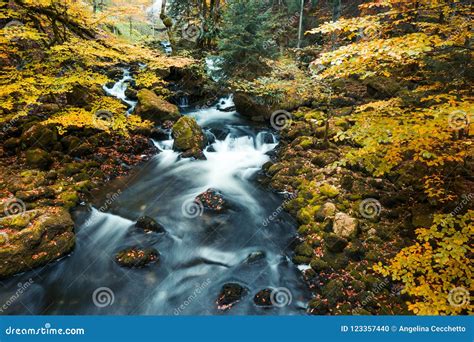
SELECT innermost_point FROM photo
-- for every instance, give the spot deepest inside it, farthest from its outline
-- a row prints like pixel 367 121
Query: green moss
pixel 304 249
pixel 69 199
pixel 329 190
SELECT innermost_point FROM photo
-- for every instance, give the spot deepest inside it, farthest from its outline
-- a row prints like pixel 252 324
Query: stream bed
pixel 201 251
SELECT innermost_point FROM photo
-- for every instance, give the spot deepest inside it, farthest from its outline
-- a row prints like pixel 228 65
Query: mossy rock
pixel 38 158
pixel 69 199
pixel 335 243
pixel 328 190
pixel 155 108
pixel 39 136
pixel 48 236
pixel 304 249
pixel 319 265
pixel 188 135
pixel 333 291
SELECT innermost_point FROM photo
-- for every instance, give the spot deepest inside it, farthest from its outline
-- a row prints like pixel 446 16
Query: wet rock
pixel 38 158
pixel 159 134
pixel 318 307
pixel 255 257
pixel 251 107
pixel 131 94
pixel 12 144
pixel 35 238
pixel 327 210
pixel 344 225
pixel 149 224
pixel 263 298
pixel 335 243
pixel 188 137
pixel 155 108
pixel 230 294
pixel 135 257
pixel 39 136
pixel 115 74
pixel 211 200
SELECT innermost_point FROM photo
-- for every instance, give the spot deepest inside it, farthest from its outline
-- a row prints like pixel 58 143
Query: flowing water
pixel 200 251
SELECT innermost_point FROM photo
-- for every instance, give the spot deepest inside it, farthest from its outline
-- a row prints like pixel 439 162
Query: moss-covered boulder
pixel 252 107
pixel 188 137
pixel 39 136
pixel 34 238
pixel 155 108
pixel 38 158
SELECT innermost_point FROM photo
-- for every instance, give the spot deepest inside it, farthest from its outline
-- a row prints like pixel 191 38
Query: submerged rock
pixel 263 298
pixel 149 224
pixel 255 257
pixel 188 137
pixel 212 200
pixel 135 257
pixel 230 294
pixel 34 238
pixel 155 108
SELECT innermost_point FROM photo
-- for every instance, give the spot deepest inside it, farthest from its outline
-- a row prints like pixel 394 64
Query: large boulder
pixel 155 108
pixel 188 137
pixel 34 238
pixel 39 136
pixel 252 107
pixel 38 158
pixel 344 225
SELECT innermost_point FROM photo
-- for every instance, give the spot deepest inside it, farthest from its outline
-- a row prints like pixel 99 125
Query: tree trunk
pixel 300 28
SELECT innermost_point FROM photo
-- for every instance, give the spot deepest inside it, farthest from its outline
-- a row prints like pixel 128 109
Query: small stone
pixel 149 224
